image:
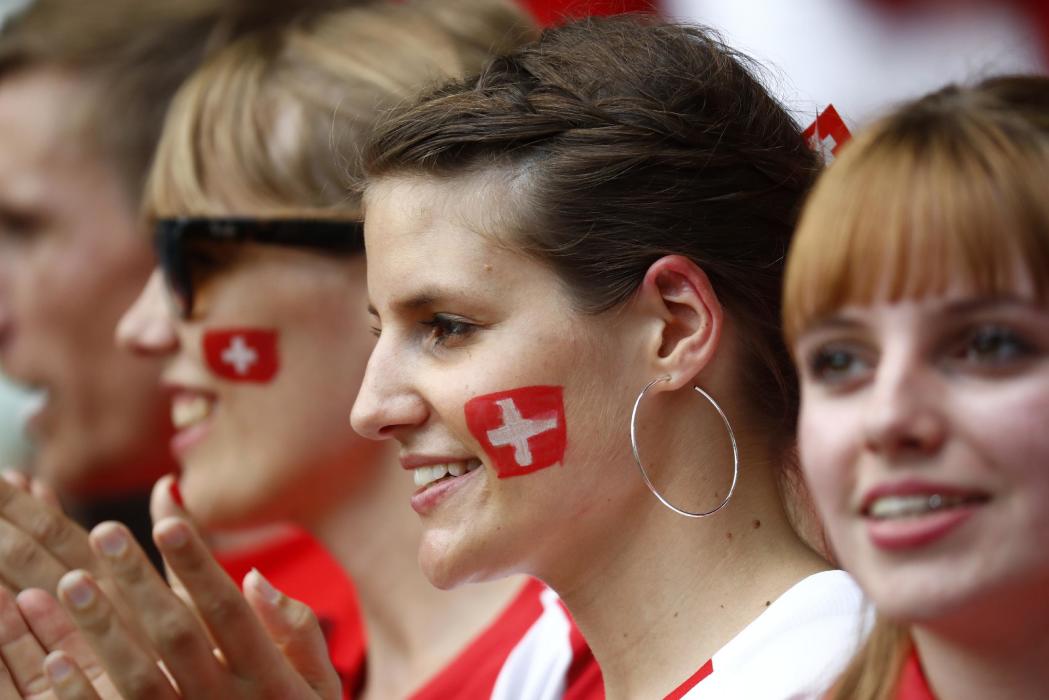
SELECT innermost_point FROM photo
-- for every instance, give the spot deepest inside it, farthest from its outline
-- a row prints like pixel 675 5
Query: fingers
pixel 21 652
pixel 294 628
pixel 55 630
pixel 131 669
pixel 166 500
pixel 170 626
pixel 68 681
pixel 35 487
pixel 247 648
pixel 43 492
pixel 38 543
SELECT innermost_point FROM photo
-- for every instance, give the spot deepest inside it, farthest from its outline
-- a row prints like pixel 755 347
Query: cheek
pixel 242 354
pixel 826 439
pixel 1006 427
pixel 521 430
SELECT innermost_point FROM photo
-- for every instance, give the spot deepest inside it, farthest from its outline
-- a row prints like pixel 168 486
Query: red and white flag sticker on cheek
pixel 828 133
pixel 522 430
pixel 242 354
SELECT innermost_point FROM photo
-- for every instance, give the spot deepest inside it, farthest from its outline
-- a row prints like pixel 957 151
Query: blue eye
pixel 837 364
pixel 445 328
pixel 993 345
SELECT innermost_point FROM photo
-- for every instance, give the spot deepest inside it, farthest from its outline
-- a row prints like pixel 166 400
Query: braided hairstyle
pixel 628 139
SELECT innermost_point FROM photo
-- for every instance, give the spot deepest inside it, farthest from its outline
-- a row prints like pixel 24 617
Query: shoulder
pixel 797 647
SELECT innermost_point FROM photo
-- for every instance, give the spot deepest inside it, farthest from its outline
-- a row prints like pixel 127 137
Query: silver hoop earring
pixel 644 474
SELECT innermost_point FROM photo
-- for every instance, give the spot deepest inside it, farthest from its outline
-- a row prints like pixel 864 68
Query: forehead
pixel 423 233
pixel 41 111
pixel 42 135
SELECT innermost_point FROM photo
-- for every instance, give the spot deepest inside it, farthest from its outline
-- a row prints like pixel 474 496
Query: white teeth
pixel 424 476
pixel 189 410
pixel 428 475
pixel 905 506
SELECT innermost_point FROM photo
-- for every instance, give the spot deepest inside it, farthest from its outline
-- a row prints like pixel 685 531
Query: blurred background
pixel 14 450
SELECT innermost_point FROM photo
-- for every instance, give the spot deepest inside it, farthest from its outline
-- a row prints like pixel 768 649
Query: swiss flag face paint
pixel 242 354
pixel 828 133
pixel 522 430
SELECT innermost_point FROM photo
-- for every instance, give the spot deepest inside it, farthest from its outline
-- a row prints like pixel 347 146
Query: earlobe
pixel 691 317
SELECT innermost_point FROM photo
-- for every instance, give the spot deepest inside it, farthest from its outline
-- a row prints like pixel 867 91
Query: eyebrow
pixel 966 306
pixel 425 297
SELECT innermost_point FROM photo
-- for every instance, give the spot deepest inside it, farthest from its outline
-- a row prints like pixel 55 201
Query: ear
pixel 680 295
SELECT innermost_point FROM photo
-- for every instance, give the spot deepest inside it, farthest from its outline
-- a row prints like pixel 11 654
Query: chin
pixel 446 568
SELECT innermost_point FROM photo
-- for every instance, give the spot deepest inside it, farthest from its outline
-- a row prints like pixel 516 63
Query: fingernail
pixel 112 541
pixel 270 594
pixel 57 667
pixel 176 493
pixel 79 592
pixel 172 534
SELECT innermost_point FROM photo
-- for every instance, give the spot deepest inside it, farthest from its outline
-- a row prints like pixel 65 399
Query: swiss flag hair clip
pixel 828 133
pixel 242 354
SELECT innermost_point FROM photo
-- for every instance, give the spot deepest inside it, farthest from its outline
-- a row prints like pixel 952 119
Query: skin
pixel 949 390
pixel 71 261
pixel 461 313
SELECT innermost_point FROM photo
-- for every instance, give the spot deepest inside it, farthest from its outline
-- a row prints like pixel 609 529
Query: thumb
pixel 166 501
pixel 293 627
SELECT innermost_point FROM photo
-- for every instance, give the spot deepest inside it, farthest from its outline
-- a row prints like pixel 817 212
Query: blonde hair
pixel 950 188
pixel 275 119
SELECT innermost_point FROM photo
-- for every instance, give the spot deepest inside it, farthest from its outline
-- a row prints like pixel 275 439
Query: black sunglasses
pixel 174 239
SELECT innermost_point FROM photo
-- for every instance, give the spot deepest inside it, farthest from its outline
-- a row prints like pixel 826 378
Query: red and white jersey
pixel 912 684
pixel 795 650
pixel 532 651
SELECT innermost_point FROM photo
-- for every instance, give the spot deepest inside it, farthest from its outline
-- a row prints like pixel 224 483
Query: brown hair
pixel 949 187
pixel 132 54
pixel 277 117
pixel 632 139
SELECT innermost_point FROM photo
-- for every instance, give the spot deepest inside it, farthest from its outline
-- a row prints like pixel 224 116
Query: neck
pixel 680 580
pixel 994 653
pixel 413 629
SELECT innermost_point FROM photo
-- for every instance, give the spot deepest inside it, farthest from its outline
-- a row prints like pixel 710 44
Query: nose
pixel 905 417
pixel 147 328
pixel 387 403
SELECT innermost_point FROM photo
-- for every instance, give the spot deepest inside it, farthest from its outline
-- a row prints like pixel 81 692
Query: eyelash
pixel 821 360
pixel 1015 346
pixel 983 348
pixel 444 328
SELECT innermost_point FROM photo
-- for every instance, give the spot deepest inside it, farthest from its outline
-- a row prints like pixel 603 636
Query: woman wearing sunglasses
pixel 259 308
pixel 917 304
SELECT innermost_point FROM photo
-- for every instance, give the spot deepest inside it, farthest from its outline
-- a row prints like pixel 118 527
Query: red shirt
pixel 912 684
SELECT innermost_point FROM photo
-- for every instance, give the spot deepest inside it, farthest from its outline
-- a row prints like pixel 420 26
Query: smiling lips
pixel 914 514
pixel 426 475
